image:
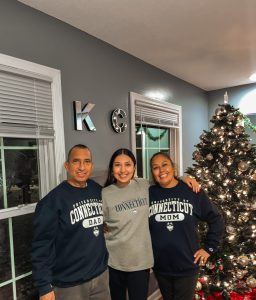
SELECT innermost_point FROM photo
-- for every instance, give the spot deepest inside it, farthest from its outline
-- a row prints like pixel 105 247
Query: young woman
pixel 126 210
pixel 174 214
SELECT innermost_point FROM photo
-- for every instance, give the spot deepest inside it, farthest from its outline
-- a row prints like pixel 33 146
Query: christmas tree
pixel 225 166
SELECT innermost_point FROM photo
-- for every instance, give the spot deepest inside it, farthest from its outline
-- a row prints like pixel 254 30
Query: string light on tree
pixel 225 165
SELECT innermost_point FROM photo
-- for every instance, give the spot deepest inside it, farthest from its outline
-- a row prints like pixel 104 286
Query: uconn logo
pixel 82 115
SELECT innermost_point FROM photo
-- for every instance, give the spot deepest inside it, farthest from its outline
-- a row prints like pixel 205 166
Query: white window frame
pixel 52 156
pixel 159 106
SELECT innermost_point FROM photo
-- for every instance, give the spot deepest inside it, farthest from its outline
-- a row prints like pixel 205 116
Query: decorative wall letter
pixel 81 116
pixel 118 113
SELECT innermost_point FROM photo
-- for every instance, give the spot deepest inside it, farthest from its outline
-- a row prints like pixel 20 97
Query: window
pixel 155 126
pixel 31 163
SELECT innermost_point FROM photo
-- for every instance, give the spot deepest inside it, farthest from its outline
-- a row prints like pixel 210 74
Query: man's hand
pixel 201 257
pixel 192 183
pixel 48 296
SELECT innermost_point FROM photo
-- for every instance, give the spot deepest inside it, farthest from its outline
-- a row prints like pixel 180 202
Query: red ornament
pixel 202 280
pixel 233 296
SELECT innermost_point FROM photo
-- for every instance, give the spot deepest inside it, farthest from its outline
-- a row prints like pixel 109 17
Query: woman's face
pixel 123 169
pixel 163 171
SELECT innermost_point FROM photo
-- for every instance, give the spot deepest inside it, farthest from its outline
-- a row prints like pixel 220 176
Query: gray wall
pixel 94 71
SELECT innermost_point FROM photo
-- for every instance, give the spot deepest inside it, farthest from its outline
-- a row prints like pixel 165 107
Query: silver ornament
pixel 224 170
pixel 230 161
pixel 243 260
pixel 203 137
pixel 231 237
pixel 243 166
pixel 247 146
pixel 231 229
pixel 253 177
pixel 210 265
pixel 196 155
pixel 209 156
pixel 231 118
pixel 253 205
pixel 238 129
pixel 251 282
pixel 240 274
pixel 205 176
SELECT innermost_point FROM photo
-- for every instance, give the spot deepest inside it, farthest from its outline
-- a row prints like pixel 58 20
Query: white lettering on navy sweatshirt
pixel 174 214
pixel 68 246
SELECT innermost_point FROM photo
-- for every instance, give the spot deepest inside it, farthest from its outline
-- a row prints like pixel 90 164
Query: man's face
pixel 79 167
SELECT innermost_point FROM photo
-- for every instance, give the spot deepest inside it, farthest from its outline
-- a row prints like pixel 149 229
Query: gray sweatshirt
pixel 126 211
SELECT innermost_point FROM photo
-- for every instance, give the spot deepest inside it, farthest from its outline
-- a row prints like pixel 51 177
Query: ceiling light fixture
pixel 156 95
pixel 253 77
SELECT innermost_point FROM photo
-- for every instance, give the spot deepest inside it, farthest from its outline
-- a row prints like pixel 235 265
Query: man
pixel 69 255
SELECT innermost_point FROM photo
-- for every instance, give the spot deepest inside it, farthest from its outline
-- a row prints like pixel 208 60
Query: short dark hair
pixel 80 146
pixel 110 178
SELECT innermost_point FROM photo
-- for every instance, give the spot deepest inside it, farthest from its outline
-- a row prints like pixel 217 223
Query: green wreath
pixel 150 136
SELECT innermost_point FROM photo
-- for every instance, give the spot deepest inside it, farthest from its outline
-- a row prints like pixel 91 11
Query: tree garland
pixel 249 124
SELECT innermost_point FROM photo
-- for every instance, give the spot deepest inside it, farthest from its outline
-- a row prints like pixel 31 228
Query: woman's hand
pixel 192 183
pixel 48 296
pixel 201 257
pixel 105 228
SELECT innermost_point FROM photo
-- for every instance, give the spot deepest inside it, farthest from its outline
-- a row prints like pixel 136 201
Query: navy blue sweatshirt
pixel 174 215
pixel 68 246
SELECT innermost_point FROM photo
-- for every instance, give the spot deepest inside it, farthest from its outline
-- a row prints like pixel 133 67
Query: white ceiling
pixel 209 43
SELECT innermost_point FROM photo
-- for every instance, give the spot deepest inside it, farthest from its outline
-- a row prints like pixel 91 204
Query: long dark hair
pixel 110 178
pixel 167 156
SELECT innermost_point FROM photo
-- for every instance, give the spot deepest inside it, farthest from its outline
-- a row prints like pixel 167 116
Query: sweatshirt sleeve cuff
pixel 45 289
pixel 210 250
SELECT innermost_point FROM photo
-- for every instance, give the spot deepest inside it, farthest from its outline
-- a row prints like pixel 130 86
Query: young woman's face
pixel 123 169
pixel 163 171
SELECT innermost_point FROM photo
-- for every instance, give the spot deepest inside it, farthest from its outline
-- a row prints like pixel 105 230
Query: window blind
pixel 25 106
pixel 163 116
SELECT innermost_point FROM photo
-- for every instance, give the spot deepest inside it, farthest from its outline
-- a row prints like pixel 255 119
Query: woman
pixel 125 207
pixel 174 214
